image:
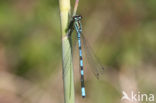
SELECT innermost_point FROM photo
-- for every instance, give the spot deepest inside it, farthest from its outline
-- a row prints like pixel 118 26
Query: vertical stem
pixel 68 78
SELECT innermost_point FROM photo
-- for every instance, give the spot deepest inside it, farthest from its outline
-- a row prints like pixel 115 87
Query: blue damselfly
pixel 97 68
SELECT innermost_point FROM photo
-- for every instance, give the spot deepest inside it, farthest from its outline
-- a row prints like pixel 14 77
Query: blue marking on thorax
pixel 82 73
pixel 76 27
pixel 83 91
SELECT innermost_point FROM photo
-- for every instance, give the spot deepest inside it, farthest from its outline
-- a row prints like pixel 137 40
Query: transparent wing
pixel 96 67
pixel 89 55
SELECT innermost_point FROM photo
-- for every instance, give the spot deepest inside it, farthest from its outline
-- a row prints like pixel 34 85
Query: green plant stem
pixel 68 79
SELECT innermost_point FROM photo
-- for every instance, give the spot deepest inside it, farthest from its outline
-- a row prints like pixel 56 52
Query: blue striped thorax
pixel 76 21
pixel 78 25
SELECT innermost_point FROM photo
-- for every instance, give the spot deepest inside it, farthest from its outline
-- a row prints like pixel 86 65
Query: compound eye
pixel 75 17
pixel 80 17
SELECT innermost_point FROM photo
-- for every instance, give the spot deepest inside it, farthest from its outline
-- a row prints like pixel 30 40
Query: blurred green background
pixel 122 33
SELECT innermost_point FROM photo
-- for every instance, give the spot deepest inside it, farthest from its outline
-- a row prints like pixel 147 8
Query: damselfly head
pixel 77 17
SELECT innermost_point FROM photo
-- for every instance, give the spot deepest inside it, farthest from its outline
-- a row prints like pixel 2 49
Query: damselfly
pixel 97 68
